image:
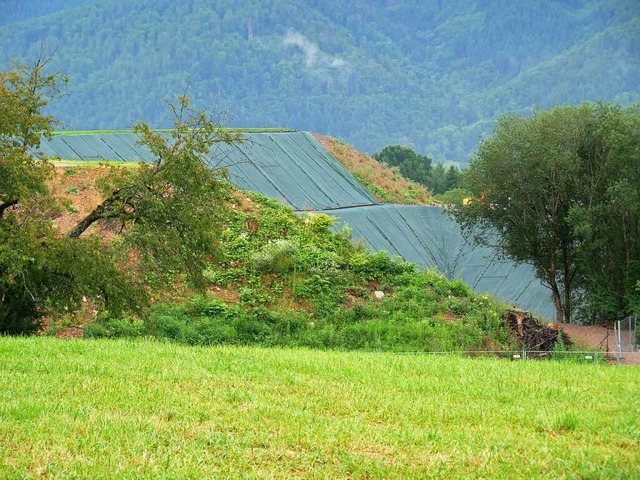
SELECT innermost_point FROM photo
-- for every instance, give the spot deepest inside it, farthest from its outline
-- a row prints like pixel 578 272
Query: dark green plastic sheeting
pixel 427 236
pixel 295 169
pixel 291 167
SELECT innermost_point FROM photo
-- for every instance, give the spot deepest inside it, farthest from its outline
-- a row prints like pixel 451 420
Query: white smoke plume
pixel 313 56
pixel 309 49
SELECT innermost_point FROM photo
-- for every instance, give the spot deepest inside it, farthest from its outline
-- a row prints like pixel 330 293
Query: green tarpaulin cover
pixel 294 168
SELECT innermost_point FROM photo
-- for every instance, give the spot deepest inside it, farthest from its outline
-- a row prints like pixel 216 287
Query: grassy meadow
pixel 144 409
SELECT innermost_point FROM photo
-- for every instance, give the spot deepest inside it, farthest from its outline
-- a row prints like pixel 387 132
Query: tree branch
pixel 98 213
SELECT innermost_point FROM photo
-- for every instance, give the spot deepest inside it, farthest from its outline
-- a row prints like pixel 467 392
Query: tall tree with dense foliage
pixel 543 187
pixel 607 225
pixel 168 211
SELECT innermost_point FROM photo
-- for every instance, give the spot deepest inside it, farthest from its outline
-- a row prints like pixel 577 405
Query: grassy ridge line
pixel 384 183
pixel 92 163
pixel 226 129
pixel 118 409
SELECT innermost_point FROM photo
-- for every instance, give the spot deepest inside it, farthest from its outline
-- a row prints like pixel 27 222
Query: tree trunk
pixel 98 213
pixel 568 307
pixel 557 301
pixel 555 292
pixel 552 275
pixel 86 223
pixel 567 282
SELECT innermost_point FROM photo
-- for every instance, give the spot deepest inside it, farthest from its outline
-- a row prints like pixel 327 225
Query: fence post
pixel 618 341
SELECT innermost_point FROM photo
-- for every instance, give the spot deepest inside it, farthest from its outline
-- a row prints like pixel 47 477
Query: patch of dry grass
pixel 384 183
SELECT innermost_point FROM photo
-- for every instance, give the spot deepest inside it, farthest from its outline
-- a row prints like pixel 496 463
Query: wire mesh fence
pixel 583 356
pixel 626 334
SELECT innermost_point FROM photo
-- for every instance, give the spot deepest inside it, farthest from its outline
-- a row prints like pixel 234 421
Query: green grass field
pixel 117 409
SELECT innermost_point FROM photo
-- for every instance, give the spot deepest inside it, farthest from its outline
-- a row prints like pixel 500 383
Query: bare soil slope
pixel 592 336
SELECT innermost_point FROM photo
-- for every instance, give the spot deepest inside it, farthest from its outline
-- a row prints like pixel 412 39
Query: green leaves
pixel 170 212
pixel 24 91
pixel 42 274
pixel 560 190
pixel 411 164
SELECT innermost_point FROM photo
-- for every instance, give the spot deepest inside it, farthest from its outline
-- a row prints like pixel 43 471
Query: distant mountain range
pixel 431 74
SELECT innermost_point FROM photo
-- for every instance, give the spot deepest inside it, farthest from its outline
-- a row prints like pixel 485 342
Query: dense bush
pixel 275 257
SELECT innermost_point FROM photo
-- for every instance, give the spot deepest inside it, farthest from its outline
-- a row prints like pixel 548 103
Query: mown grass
pixel 139 409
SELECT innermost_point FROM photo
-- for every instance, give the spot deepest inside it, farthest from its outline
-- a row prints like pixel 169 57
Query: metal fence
pixel 626 336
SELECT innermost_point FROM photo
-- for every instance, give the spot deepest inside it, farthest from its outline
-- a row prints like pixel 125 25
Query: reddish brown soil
pixel 76 186
pixel 596 336
pixel 592 336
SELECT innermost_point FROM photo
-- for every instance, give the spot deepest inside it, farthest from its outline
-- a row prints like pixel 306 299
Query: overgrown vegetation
pixel 281 279
pixel 287 280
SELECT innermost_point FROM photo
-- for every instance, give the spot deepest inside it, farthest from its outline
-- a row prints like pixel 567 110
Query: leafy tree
pixel 608 223
pixel 39 271
pixel 442 179
pixel 23 93
pixel 452 178
pixel 455 196
pixel 418 168
pixel 412 165
pixel 542 184
pixel 168 211
pixel 438 178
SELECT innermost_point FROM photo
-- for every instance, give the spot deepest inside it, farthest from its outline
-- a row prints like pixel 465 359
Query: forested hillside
pixel 429 74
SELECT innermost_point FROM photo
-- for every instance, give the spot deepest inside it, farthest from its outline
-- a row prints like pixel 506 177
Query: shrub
pixel 379 265
pixel 314 260
pixel 224 276
pixel 209 307
pixel 275 257
pixel 200 321
pixel 106 326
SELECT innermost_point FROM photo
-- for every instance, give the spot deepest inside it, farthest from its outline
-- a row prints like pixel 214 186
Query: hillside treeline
pixel 429 75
